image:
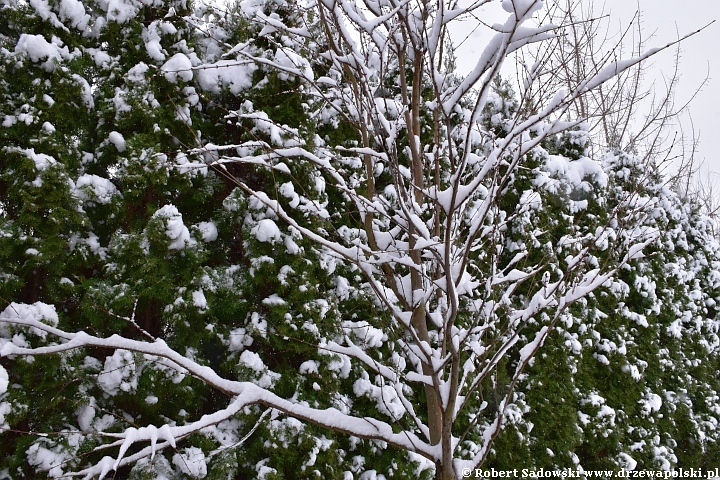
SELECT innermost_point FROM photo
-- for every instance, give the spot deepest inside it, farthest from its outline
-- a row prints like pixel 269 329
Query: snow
pixel 175 229
pixel 523 7
pixel 376 347
pixel 4 380
pixel 4 406
pixel 85 91
pixel 118 140
pixel 152 44
pixel 95 188
pixel 42 163
pixel 290 60
pixel 191 461
pixel 651 403
pixel 73 12
pixel 252 360
pixel 267 231
pixel 208 231
pixel 119 373
pixel 251 6
pixel 239 339
pixel 309 366
pixel 43 10
pixel 28 313
pixel 613 69
pixel 37 48
pixel 627 462
pixel 575 171
pixel 528 350
pixel 235 75
pixel 366 334
pixel 45 459
pixel 101 57
pixel 5 410
pixel 185 166
pixel 386 397
pixel 137 73
pixel 48 128
pixel 85 416
pixel 179 65
pixel 199 299
pixel 287 190
pixel 120 11
pixel 274 300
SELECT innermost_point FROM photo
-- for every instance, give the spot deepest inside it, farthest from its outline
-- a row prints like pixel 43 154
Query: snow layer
pixel 180 66
pixel 235 75
pixel 267 231
pixel 119 374
pixel 4 380
pixel 191 461
pixel 118 140
pixel 74 14
pixel 120 11
pixel 208 230
pixel 12 334
pixel 575 171
pixel 175 229
pixel 42 161
pixel 37 48
pixel 94 188
pixel 4 406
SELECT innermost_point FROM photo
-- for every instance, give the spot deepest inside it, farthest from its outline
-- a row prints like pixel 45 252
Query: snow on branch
pixel 243 394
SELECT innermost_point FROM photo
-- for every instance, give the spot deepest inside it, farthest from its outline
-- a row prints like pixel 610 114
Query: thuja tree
pixel 109 228
pixel 110 225
pixel 627 378
pixel 89 212
pixel 286 240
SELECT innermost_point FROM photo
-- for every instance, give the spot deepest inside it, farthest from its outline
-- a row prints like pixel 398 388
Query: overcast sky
pixel 700 57
pixel 663 22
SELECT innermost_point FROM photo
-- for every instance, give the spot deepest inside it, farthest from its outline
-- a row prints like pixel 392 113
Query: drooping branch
pixel 243 393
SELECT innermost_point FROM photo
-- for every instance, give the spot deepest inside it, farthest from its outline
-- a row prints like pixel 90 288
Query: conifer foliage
pixel 275 239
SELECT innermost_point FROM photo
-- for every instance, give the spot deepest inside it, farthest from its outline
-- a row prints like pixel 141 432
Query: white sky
pixel 700 57
pixel 663 22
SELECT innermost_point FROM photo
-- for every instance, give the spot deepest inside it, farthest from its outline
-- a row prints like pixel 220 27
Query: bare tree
pixel 627 113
